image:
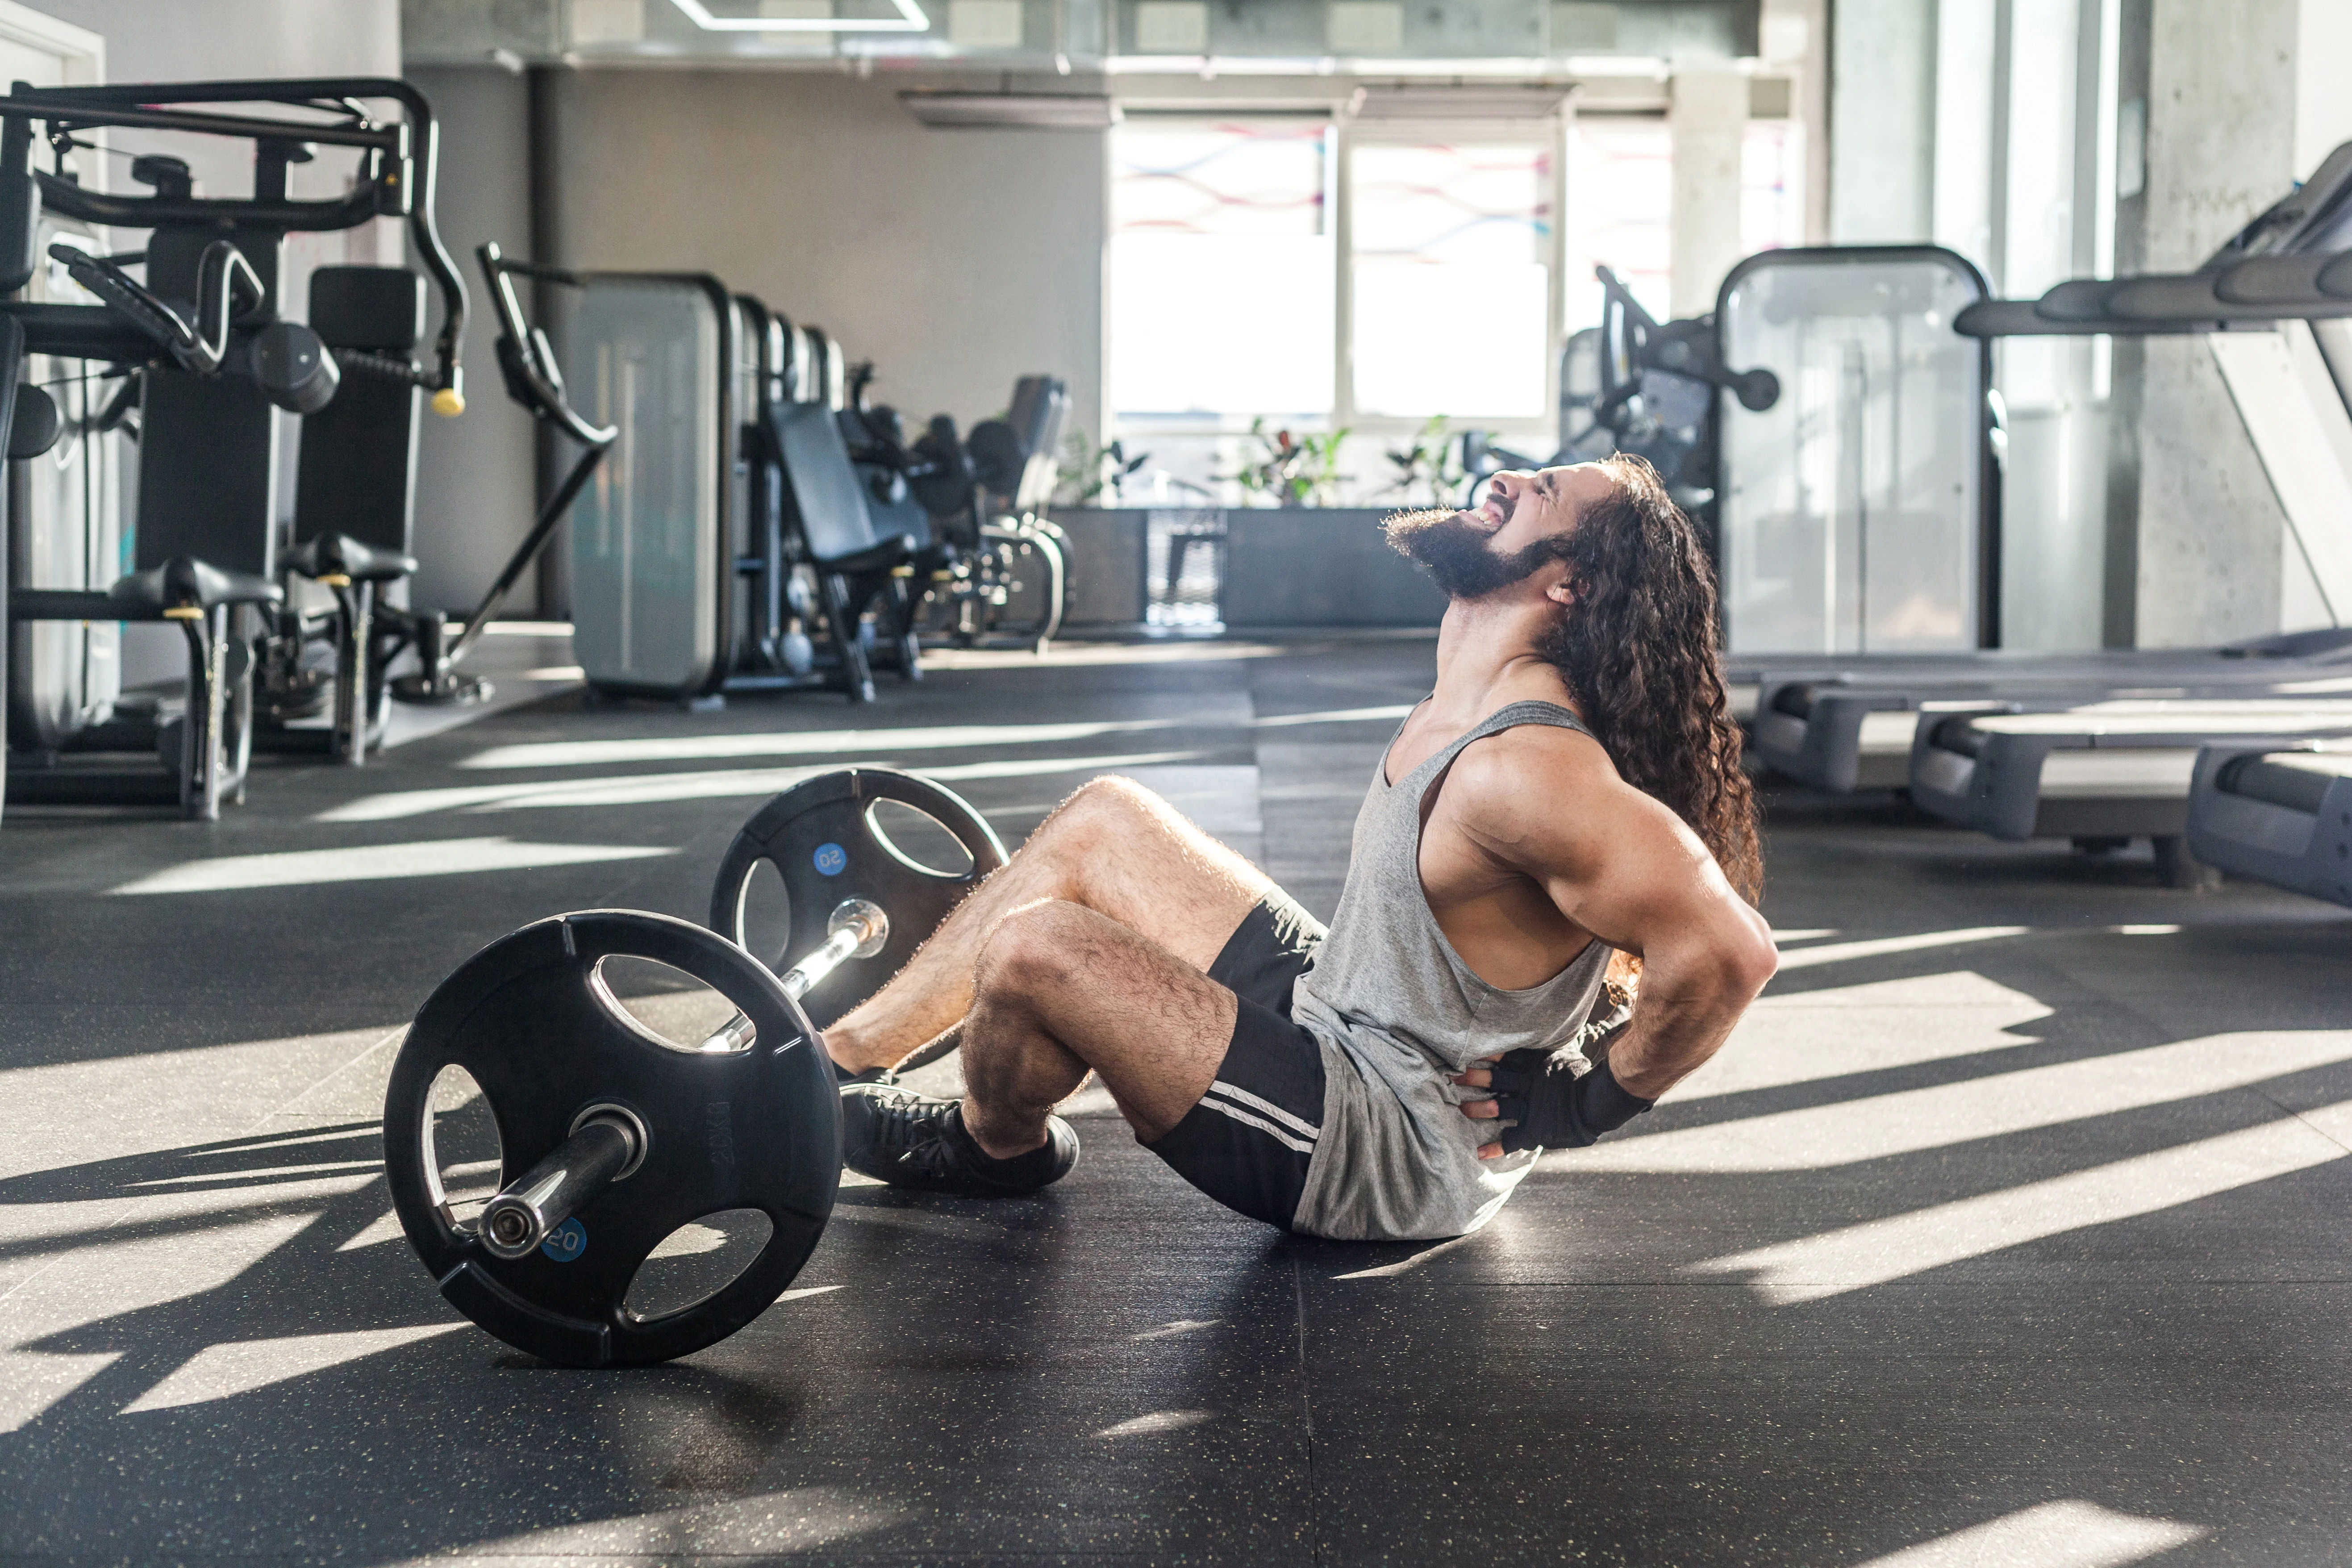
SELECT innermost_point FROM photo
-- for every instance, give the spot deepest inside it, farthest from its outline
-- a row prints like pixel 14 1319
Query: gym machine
pixel 729 520
pixel 1636 385
pixel 2098 748
pixel 205 361
pixel 987 498
pixel 825 549
pixel 527 364
pixel 1842 718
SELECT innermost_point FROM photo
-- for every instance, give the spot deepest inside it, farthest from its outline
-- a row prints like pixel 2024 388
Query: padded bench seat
pixel 179 584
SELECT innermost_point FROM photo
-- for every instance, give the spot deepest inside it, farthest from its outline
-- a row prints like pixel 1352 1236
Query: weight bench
pixel 2100 773
pixel 828 527
pixel 2277 816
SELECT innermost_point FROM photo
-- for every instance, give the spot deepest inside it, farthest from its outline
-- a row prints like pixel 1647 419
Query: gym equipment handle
pixel 858 928
pixel 605 1148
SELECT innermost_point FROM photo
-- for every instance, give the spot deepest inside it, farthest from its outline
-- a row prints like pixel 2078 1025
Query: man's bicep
pixel 1629 869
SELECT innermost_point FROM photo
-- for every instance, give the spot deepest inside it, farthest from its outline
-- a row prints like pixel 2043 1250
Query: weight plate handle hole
pixel 694 1262
pixel 917 840
pixel 464 1163
pixel 668 1007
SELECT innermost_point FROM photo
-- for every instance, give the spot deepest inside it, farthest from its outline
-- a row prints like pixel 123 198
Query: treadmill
pixel 1857 723
pixel 2102 773
pixel 2277 815
pixel 1845 730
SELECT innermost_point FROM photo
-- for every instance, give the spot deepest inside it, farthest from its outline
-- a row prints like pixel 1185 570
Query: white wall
pixel 1882 121
pixel 190 41
pixel 957 260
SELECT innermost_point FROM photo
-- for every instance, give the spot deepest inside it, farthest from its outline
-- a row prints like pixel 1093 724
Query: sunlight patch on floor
pixel 809 743
pixel 719 784
pixel 240 1366
pixel 1995 1105
pixel 1853 1257
pixel 1881 946
pixel 377 863
pixel 2069 1534
pixel 1876 1027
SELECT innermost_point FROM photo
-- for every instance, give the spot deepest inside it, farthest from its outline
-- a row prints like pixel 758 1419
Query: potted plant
pixel 1291 469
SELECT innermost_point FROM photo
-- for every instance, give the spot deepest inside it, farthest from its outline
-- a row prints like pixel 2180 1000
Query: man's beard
pixel 1460 560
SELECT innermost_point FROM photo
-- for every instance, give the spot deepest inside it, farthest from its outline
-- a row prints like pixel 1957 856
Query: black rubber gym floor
pixel 2009 1228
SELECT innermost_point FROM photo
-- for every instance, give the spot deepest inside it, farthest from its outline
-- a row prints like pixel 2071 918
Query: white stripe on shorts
pixel 1268 1128
pixel 1306 1130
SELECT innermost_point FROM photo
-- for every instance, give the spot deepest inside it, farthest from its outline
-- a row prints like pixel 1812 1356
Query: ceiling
pixel 1198 39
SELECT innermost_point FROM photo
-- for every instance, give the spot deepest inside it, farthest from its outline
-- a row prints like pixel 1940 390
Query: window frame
pixel 1346 133
pixel 1550 132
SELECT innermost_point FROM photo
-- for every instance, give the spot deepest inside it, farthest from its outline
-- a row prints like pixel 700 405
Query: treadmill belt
pixel 2298 781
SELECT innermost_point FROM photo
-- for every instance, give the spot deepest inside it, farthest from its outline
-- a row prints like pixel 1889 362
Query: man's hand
pixel 1545 1105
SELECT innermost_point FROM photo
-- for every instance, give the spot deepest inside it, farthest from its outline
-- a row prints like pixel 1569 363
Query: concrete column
pixel 1882 121
pixel 473 474
pixel 1709 115
pixel 2221 147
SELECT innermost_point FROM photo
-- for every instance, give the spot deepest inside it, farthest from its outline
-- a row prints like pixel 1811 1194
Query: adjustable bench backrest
pixel 1040 402
pixel 356 472
pixel 822 496
pixel 207 447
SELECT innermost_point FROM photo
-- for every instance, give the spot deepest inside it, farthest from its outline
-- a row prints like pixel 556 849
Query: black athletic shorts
pixel 1247 1142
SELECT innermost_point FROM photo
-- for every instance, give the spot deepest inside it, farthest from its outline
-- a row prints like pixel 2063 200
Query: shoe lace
pixel 907 1130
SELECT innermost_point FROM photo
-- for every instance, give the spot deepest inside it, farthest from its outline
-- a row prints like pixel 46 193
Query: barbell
pixel 621 1137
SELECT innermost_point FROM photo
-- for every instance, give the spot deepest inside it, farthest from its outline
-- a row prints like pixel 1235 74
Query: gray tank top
pixel 1397 1013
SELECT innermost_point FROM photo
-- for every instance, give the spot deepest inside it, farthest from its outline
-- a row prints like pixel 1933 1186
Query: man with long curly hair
pixel 1567 802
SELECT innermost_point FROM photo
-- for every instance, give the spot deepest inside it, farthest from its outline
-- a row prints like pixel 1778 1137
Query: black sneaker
pixel 910 1139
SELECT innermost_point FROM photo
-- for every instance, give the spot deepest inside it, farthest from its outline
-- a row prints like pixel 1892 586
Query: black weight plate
pixel 819 835
pixel 530 1017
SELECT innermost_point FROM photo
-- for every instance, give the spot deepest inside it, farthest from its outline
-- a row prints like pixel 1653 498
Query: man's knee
pixel 1106 812
pixel 1035 953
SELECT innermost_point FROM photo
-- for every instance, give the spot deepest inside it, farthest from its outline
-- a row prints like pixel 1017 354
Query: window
pixel 1452 253
pixel 1221 258
pixel 1621 179
pixel 1231 300
pixel 1771 185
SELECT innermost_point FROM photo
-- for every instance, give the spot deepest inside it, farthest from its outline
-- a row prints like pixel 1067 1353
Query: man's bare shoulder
pixel 1543 785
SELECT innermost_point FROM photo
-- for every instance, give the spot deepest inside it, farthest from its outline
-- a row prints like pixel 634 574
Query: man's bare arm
pixel 1624 867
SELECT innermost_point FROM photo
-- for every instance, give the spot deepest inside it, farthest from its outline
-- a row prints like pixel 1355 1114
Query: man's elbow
pixel 1748 959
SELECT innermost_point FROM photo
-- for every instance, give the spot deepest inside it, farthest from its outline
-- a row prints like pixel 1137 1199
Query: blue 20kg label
pixel 566 1241
pixel 831 859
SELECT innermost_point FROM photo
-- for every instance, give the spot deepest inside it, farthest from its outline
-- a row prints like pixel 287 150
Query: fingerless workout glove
pixel 1555 1109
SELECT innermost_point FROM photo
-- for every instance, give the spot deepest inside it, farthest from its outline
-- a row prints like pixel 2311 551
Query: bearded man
pixel 1569 795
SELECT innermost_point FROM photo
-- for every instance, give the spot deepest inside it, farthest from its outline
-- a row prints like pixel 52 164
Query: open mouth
pixel 1492 512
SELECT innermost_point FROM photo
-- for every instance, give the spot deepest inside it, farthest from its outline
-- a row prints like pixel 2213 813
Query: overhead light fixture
pixel 1012 110
pixel 909 19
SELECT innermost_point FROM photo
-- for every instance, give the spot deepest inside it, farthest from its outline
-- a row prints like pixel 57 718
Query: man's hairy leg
pixel 1113 848
pixel 1063 988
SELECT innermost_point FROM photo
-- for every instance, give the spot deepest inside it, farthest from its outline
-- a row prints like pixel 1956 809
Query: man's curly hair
pixel 1638 652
